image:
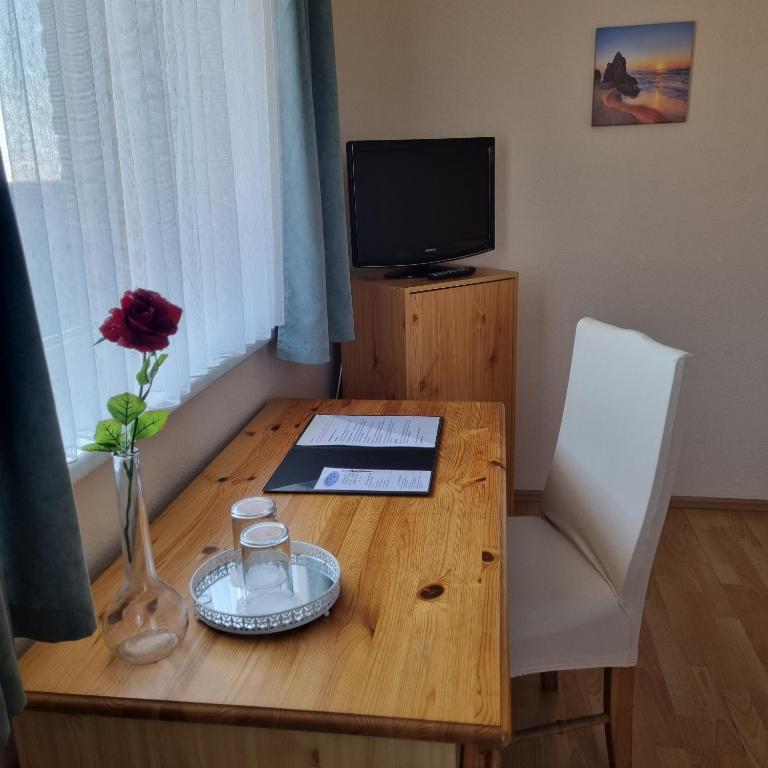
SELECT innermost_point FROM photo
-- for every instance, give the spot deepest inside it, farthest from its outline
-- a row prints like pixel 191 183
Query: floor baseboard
pixel 714 502
pixel 677 502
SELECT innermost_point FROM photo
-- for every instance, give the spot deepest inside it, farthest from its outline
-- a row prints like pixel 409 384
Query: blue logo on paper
pixel 331 479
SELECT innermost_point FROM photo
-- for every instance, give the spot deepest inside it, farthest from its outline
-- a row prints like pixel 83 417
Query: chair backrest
pixel 614 465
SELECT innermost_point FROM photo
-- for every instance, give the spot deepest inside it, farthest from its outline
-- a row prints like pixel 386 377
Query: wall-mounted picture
pixel 642 74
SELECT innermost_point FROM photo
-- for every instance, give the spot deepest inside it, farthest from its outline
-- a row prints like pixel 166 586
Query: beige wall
pixel 194 434
pixel 662 228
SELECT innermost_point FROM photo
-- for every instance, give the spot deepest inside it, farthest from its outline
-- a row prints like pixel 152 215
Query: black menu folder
pixel 380 455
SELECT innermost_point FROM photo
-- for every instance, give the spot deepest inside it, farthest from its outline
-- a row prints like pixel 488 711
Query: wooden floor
pixel 702 686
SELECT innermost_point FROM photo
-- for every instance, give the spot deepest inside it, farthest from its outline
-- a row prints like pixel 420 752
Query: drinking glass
pixel 265 549
pixel 245 512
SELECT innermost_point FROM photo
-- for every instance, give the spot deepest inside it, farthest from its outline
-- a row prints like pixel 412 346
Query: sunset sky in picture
pixel 646 47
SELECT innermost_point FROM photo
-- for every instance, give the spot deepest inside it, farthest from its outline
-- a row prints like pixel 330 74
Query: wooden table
pixel 411 662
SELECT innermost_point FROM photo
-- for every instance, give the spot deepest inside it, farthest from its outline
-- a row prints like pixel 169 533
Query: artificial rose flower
pixel 143 322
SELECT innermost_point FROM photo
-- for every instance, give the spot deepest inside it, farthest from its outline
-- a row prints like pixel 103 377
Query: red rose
pixel 143 322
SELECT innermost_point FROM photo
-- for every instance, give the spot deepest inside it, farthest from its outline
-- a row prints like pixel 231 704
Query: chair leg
pixel 618 701
pixel 549 681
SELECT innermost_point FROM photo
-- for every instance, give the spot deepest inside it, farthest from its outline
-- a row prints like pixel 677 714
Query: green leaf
pixel 142 376
pixel 159 360
pixel 109 433
pixel 126 407
pixel 96 447
pixel 150 423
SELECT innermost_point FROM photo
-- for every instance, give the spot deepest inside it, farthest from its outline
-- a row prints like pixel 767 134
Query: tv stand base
pixel 429 271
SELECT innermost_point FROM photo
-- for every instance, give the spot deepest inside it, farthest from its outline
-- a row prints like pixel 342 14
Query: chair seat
pixel 562 613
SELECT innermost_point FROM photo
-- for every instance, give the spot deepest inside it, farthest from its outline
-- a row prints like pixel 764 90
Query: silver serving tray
pixel 219 600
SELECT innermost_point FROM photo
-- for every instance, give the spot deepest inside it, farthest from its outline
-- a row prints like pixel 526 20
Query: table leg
pixel 472 757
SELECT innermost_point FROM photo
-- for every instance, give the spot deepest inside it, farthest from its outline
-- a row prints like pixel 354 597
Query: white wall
pixel 661 228
pixel 194 434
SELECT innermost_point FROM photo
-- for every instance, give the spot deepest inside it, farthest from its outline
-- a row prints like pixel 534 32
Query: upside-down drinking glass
pixel 246 512
pixel 266 555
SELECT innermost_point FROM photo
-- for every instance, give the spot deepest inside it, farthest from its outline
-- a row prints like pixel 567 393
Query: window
pixel 140 141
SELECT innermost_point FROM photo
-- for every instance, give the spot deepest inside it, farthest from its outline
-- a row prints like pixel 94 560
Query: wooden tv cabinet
pixel 436 340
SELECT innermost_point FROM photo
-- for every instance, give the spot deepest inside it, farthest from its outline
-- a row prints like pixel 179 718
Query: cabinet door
pixel 374 364
pixel 461 343
pixel 461 346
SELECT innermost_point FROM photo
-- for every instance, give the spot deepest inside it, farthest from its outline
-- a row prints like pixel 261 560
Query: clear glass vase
pixel 147 619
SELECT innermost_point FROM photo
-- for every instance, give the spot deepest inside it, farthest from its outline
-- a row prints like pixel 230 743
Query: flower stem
pixel 151 382
pixel 129 463
pixel 128 467
pixel 142 396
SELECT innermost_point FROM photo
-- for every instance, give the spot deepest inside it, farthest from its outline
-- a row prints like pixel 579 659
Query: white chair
pixel 579 574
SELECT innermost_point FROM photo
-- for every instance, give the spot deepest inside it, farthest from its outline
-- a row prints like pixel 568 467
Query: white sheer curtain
pixel 140 140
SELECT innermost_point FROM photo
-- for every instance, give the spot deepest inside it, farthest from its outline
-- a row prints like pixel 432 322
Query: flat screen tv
pixel 417 202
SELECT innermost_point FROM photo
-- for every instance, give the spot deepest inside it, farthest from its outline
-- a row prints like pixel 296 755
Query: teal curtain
pixel 318 303
pixel 44 589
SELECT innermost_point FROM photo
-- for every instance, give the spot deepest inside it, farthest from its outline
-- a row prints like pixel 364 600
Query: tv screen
pixel 420 201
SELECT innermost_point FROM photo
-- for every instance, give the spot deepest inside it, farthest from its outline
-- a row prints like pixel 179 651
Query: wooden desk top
pixel 388 660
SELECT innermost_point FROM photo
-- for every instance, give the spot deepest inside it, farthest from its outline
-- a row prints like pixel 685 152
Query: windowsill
pixel 87 462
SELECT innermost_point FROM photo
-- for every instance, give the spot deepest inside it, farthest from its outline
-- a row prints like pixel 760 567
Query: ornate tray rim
pixel 222 563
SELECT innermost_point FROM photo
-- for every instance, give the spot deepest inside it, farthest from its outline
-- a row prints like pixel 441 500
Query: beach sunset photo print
pixel 642 74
